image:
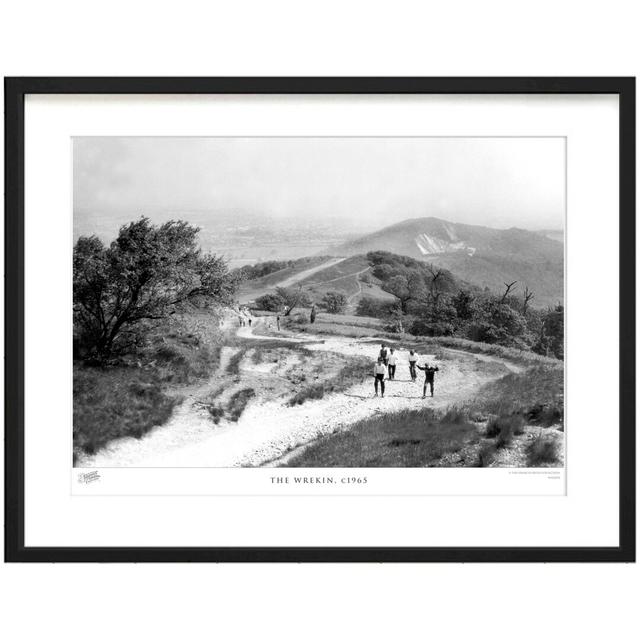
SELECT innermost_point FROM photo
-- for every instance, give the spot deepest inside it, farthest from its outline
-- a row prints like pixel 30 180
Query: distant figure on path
pixel 392 362
pixel 378 374
pixel 429 373
pixel 239 320
pixel 312 317
pixel 413 358
pixel 249 321
pixel 278 321
pixel 384 355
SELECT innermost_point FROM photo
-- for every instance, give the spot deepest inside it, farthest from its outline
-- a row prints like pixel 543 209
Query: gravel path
pixel 268 428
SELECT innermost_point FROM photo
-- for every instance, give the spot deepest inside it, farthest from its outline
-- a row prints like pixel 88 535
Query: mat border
pixel 15 91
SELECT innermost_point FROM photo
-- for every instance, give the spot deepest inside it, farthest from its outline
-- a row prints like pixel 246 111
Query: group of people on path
pixel 387 363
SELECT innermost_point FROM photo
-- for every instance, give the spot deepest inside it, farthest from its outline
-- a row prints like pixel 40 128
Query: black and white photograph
pixel 318 302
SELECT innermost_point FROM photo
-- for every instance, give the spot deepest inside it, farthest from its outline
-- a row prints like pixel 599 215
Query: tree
pixel 334 301
pixel 293 298
pixel 434 289
pixel 148 273
pixel 497 322
pixel 551 337
pixel 463 304
pixel 399 287
pixel 527 297
pixel 508 287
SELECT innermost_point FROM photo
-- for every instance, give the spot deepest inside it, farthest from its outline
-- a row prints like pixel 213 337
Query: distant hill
pixel 480 255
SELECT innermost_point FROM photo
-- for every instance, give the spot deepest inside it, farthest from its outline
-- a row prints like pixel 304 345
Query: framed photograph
pixel 320 319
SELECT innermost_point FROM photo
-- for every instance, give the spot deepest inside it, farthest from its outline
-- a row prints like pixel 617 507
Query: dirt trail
pixel 309 272
pixel 287 282
pixel 269 428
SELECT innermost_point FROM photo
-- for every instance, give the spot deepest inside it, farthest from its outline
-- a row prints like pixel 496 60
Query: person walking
pixel 391 363
pixel 378 374
pixel 383 354
pixel 249 321
pixel 413 358
pixel 429 374
pixel 312 317
pixel 278 321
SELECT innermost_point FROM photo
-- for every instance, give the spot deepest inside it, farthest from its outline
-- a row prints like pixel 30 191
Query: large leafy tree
pixel 292 298
pixel 148 273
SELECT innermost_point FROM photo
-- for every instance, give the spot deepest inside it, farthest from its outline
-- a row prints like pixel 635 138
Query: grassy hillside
pixel 251 289
pixel 483 256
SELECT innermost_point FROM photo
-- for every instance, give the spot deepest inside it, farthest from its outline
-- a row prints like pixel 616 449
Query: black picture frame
pixel 15 91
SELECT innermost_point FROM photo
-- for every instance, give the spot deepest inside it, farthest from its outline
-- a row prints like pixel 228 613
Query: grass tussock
pixel 411 438
pixel 542 451
pixel 504 428
pixel 486 454
pixel 232 409
pixel 310 392
pixel 233 366
pixel 238 403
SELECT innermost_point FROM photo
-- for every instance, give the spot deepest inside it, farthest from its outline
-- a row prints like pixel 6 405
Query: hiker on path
pixel 378 375
pixel 312 317
pixel 278 321
pixel 249 321
pixel 384 354
pixel 392 361
pixel 413 358
pixel 429 373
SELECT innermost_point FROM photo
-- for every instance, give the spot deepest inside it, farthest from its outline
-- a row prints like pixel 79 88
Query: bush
pixel 334 301
pixel 270 302
pixel 542 450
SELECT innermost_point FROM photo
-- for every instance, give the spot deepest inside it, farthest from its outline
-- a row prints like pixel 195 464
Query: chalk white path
pixel 291 280
pixel 269 429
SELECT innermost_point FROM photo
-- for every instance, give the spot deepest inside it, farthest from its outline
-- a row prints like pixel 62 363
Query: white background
pixel 328 38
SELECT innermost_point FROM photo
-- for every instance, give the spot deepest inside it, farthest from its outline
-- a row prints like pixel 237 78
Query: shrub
pixel 334 301
pixel 542 450
pixel 270 302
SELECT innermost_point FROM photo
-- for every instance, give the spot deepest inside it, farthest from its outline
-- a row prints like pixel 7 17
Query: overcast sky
pixel 500 182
